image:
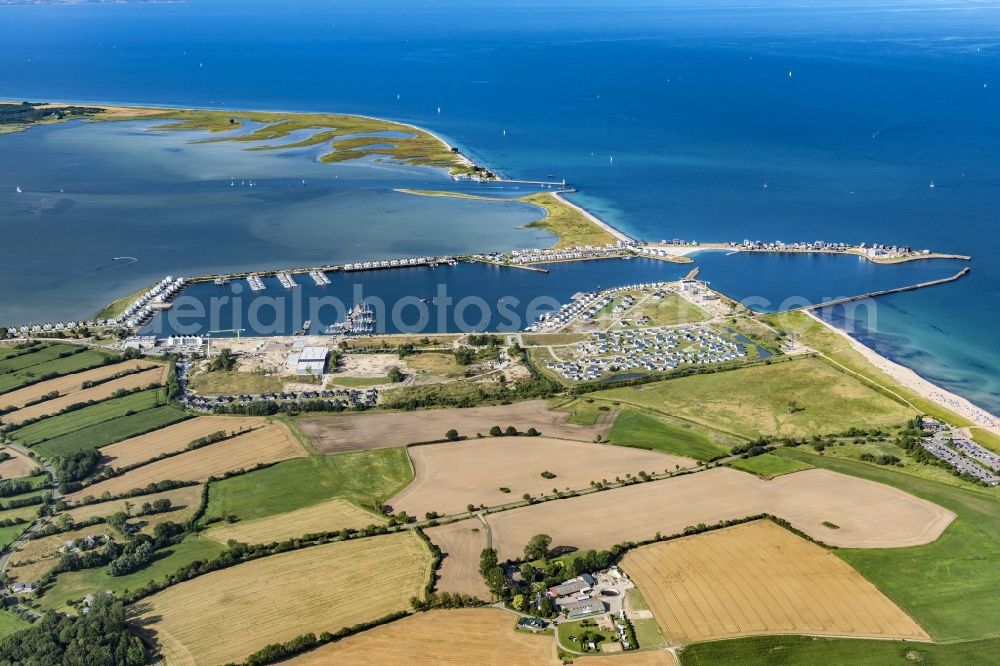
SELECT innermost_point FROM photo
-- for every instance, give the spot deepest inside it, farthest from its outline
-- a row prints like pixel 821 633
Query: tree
pixel 451 435
pixel 538 547
pixel 511 431
pixel 395 376
pixel 545 608
pixel 518 602
pixel 495 431
pixel 117 520
pixel 532 432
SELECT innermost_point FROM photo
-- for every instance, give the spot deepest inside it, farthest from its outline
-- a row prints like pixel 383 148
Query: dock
pixel 884 292
pixel 320 278
pixel 256 284
pixel 287 281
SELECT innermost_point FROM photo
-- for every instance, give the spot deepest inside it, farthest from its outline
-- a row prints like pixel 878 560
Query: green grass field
pixel 638 429
pixel 234 383
pixel 26 358
pixel 947 585
pixel 71 422
pixel 10 623
pixel 758 400
pixel 570 633
pixel 648 633
pixel 77 584
pixel 9 534
pixel 10 351
pixel 769 466
pixel 805 651
pixel 361 477
pixel 55 366
pixel 111 431
pixel 838 349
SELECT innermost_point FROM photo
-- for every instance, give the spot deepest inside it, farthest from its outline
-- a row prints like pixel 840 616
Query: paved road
pixel 39 522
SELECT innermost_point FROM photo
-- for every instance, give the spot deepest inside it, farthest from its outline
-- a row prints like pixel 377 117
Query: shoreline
pixel 909 378
pixel 902 374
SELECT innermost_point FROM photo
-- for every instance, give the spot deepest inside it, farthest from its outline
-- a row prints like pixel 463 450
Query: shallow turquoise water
pixel 693 101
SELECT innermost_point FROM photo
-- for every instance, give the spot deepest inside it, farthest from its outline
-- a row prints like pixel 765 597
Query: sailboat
pixel 19 191
pixel 932 185
pixel 439 109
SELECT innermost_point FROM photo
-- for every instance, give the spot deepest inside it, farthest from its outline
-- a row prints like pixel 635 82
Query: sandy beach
pixel 911 380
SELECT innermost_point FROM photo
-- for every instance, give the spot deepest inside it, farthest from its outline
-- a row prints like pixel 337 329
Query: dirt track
pixel 759 578
pixel 334 434
pixel 448 477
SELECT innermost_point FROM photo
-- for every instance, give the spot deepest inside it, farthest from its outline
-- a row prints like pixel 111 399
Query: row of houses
pixel 540 256
pixel 658 349
pixel 398 263
pixel 143 307
pixel 585 306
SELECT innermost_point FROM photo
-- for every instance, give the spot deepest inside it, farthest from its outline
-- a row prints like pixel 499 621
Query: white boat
pixel 19 189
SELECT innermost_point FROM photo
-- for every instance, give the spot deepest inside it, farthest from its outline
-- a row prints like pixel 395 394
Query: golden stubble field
pixel 183 500
pixel 272 443
pixel 174 438
pixel 157 375
pixel 328 516
pixel 18 465
pixel 69 384
pixel 806 499
pixel 457 638
pixel 333 434
pixel 462 542
pixel 226 615
pixel 449 476
pixel 759 578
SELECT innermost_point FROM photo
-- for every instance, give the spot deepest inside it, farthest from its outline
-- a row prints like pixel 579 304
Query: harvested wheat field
pixel 18 465
pixel 157 375
pixel 806 499
pixel 457 638
pixel 448 477
pixel 226 615
pixel 272 443
pixel 183 500
pixel 174 438
pixel 328 516
pixel 333 434
pixel 69 384
pixel 461 544
pixel 759 578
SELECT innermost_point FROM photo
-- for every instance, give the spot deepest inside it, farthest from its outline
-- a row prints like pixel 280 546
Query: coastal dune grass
pixel 796 398
pixel 344 136
pixel 640 429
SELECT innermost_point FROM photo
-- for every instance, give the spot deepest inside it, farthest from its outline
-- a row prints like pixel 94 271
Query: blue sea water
pixel 669 116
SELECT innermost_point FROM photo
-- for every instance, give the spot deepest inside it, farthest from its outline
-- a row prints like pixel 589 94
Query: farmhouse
pixel 583 608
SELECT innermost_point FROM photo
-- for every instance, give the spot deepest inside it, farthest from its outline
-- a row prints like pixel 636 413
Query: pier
pixel 286 281
pixel 884 292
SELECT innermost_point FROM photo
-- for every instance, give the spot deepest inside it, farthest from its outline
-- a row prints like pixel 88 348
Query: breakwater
pixel 885 292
